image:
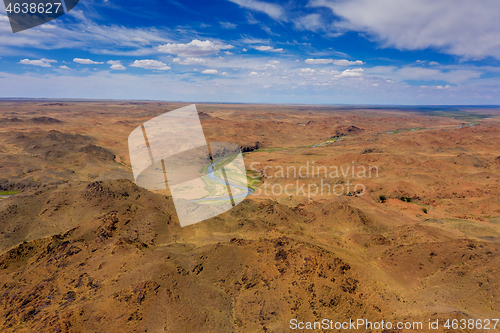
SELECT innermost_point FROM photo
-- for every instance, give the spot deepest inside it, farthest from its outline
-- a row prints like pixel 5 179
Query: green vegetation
pixel 224 161
pixel 253 179
pixel 9 192
pixel 424 210
pixel 382 198
pixel 408 130
pixel 269 149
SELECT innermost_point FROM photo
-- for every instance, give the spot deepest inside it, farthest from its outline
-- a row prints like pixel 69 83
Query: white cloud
pixel 274 11
pixel 352 72
pixel 318 61
pixel 195 48
pixel 81 33
pixel 64 67
pixel 311 22
pixel 244 50
pixel 224 73
pixel 243 88
pixel 150 64
pixel 42 62
pixel 251 40
pixel 434 63
pixel 332 72
pixel 307 71
pixel 338 62
pixel 190 61
pixel 274 62
pixel 253 74
pixel 268 48
pixel 116 65
pixel 451 75
pixel 344 62
pixel 460 27
pixel 228 25
pixel 86 61
pixel 210 71
pixel 263 67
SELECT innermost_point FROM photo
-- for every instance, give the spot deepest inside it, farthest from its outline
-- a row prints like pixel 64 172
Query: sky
pixel 389 52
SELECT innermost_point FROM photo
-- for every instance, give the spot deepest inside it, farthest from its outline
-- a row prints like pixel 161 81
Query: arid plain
pixel 83 249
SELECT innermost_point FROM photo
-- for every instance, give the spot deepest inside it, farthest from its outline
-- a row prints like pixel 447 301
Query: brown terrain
pixel 83 249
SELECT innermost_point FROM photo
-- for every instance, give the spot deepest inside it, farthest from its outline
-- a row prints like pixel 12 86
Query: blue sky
pixel 251 51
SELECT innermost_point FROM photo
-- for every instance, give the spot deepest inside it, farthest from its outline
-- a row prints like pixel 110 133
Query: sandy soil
pixel 83 249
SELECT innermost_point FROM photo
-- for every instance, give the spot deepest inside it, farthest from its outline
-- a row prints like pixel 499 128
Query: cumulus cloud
pixel 460 27
pixel 264 48
pixel 190 61
pixel 307 71
pixel 274 62
pixel 434 63
pixel 195 48
pixel 42 62
pixel 116 65
pixel 352 72
pixel 63 67
pixel 272 10
pixel 332 72
pixel 268 48
pixel 344 62
pixel 210 71
pixel 150 64
pixel 263 67
pixel 119 67
pixel 338 62
pixel 86 61
pixel 253 74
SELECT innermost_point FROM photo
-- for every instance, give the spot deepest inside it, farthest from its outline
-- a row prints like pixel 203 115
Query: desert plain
pixel 414 238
